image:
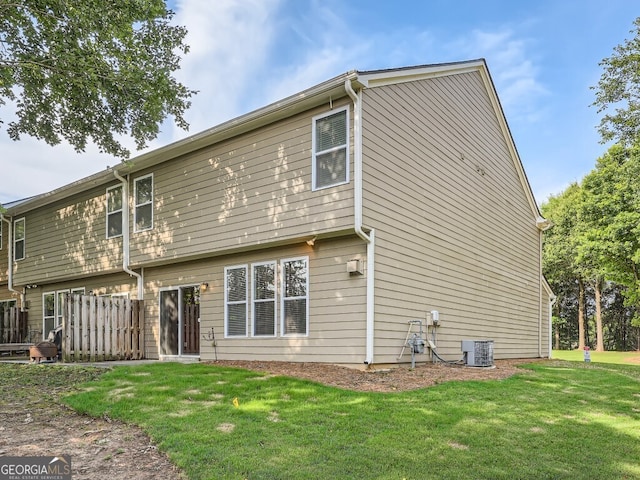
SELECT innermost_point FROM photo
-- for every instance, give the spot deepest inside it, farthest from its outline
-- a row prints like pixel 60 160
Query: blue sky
pixel 543 56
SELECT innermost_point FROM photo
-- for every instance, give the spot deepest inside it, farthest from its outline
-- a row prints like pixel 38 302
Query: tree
pixel 610 212
pixel 560 257
pixel 619 88
pixel 89 70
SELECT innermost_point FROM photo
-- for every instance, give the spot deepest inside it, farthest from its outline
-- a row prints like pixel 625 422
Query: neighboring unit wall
pixel 336 305
pixel 114 284
pixel 253 189
pixel 454 229
pixel 67 240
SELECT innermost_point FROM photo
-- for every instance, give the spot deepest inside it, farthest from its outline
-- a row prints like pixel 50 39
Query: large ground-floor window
pixel 256 296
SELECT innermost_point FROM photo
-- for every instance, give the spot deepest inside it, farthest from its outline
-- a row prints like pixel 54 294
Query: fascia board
pixel 377 78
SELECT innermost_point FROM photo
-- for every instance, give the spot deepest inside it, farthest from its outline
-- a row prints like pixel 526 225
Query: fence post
pixel 77 320
pixel 92 333
pixel 126 322
pixel 67 327
pixel 137 320
pixel 23 325
pixel 100 333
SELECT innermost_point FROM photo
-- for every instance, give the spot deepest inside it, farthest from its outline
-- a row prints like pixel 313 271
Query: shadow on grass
pixel 562 420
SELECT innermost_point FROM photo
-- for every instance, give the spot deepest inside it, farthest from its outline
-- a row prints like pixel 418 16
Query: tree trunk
pixel 581 312
pixel 557 336
pixel 599 337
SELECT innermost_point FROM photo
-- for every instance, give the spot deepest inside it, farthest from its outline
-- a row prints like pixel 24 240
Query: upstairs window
pixel 143 193
pixel 114 211
pixel 331 149
pixel 18 239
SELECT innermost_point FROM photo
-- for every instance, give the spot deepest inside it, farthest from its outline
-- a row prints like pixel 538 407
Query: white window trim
pixel 115 211
pixel 314 153
pixel 227 303
pixel 116 295
pixel 274 265
pixel 136 205
pixel 58 313
pixel 23 239
pixel 7 303
pixel 44 315
pixel 283 298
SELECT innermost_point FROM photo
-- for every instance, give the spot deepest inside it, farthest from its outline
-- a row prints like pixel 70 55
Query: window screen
pixel 264 299
pixel 295 300
pixel 330 152
pixel 18 239
pixel 236 301
pixel 114 212
pixel 144 203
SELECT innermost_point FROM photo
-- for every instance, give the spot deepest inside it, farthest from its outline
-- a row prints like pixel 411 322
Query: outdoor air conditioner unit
pixel 478 353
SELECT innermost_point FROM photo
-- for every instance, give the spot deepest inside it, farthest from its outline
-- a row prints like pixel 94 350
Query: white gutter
pixel 10 261
pixel 357 205
pixel 125 234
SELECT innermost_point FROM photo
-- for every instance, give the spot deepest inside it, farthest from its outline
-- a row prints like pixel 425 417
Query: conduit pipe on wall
pixel 10 260
pixel 369 237
pixel 125 234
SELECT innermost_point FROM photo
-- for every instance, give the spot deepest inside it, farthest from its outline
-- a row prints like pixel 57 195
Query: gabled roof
pixel 309 98
pixel 409 74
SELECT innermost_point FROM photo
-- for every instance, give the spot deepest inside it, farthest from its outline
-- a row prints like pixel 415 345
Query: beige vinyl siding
pixel 454 229
pixel 6 294
pixel 336 305
pixel 68 239
pixel 249 190
pixel 101 285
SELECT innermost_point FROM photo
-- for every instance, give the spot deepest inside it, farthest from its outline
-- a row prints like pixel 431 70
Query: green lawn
pixel 555 420
pixel 628 358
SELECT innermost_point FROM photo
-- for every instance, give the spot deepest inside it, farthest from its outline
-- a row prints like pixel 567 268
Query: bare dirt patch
pixel 34 422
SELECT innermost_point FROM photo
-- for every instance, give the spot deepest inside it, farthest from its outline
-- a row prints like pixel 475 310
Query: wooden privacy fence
pixel 13 325
pixel 97 329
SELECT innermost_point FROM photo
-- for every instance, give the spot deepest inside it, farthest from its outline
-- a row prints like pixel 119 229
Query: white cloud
pixel 228 40
pixel 31 167
pixel 513 71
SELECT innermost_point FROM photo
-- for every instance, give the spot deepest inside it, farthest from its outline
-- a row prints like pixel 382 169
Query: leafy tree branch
pixel 90 71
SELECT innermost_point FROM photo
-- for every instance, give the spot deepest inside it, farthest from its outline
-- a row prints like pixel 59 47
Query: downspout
pixel 369 238
pixel 543 225
pixel 125 234
pixel 10 261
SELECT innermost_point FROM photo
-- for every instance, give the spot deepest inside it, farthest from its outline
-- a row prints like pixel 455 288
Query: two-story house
pixel 313 229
